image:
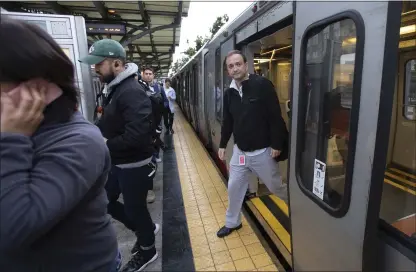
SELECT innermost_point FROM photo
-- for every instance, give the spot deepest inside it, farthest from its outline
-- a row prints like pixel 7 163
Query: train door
pixel 338 67
pixel 404 138
pixel 208 78
pixel 225 80
pixel 395 166
pixel 196 96
pixel 191 100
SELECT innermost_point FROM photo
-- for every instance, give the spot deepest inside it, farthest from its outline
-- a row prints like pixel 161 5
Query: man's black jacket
pixel 254 119
pixel 126 123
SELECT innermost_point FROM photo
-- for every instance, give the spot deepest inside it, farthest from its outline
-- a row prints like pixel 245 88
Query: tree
pixel 190 52
pixel 199 42
pixel 219 22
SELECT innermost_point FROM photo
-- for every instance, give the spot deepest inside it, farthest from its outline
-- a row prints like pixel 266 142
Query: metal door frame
pixel 334 241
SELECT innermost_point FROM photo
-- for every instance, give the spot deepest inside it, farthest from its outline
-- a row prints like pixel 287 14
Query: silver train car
pixel 346 73
pixel 70 33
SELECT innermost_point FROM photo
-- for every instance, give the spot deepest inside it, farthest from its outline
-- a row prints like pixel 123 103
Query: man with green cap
pixel 126 127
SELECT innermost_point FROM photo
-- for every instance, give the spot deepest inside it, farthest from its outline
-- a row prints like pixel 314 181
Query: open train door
pixel 339 69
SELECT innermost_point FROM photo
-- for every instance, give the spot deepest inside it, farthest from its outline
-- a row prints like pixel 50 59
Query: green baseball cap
pixel 103 49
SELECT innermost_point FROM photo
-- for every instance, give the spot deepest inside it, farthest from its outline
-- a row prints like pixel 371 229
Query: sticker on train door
pixel 319 179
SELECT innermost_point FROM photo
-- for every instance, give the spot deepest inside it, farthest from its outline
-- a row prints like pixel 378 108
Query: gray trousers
pixel 264 167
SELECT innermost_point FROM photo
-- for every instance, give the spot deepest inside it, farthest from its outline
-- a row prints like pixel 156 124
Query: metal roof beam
pixel 132 31
pixel 31 4
pixel 58 8
pixel 101 9
pixel 143 14
pixel 146 18
pixel 157 44
pixel 178 20
pixel 146 32
pixel 112 21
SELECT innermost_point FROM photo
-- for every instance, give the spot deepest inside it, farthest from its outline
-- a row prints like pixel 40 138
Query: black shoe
pixel 250 196
pixel 139 261
pixel 224 231
pixel 171 131
pixel 136 247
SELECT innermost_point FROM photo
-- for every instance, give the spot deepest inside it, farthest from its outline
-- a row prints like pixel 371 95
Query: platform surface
pixel 191 201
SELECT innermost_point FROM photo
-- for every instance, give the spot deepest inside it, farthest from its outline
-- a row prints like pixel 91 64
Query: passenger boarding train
pixel 345 76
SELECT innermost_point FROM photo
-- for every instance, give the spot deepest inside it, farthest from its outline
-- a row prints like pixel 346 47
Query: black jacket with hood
pixel 126 119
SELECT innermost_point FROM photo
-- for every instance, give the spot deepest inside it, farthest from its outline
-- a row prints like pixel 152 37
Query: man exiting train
pixel 126 126
pixel 251 112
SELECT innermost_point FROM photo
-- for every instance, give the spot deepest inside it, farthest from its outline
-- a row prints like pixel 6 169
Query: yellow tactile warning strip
pixel 205 199
pixel 274 224
pixel 401 180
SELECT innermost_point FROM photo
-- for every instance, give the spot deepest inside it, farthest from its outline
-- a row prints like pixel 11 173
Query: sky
pixel 201 16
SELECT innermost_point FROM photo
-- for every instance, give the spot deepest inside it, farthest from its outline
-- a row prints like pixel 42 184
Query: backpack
pixel 156 100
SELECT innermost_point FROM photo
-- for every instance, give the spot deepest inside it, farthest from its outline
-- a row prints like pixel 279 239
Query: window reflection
pixel 329 74
pixel 409 105
pixel 218 90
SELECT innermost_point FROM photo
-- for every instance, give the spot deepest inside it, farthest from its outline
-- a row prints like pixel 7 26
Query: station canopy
pixel 148 30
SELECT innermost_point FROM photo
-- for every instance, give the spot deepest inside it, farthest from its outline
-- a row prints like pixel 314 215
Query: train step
pixel 273 215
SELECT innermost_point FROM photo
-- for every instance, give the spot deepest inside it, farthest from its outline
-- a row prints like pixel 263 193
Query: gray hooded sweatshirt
pixel 53 206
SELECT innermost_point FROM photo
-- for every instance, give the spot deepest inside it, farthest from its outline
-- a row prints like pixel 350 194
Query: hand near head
pixel 25 116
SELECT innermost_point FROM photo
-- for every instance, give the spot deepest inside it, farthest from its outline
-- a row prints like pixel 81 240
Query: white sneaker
pixel 151 196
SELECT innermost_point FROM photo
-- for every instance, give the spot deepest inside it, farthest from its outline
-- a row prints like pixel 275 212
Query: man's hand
pixel 221 153
pixel 275 153
pixel 25 117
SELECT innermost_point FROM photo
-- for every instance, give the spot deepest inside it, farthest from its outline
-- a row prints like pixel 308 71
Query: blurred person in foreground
pixel 54 163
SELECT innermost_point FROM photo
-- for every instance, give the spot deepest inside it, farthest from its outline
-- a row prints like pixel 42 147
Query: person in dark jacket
pixel 126 127
pixel 54 163
pixel 251 112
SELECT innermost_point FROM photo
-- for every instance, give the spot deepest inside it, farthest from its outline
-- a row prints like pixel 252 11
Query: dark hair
pixel 149 69
pixel 168 80
pixel 28 52
pixel 235 52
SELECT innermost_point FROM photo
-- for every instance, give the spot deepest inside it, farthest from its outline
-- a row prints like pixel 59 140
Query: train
pixel 345 76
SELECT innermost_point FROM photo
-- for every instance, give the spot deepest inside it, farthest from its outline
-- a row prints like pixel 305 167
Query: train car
pixel 70 33
pixel 345 71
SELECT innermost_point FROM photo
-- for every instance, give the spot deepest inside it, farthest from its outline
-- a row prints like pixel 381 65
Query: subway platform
pixel 190 206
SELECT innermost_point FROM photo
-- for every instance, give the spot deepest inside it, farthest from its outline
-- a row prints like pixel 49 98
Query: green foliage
pixel 219 22
pixel 199 42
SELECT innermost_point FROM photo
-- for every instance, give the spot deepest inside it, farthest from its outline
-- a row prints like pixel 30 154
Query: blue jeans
pixel 117 263
pixel 133 183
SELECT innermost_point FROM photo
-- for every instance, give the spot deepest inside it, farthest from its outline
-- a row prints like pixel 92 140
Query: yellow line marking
pixel 400 187
pixel 403 173
pixel 280 231
pixel 202 189
pixel 281 204
pixel 400 179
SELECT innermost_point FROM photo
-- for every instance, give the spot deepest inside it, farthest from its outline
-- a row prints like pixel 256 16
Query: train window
pixel 409 103
pixel 326 95
pixel 217 88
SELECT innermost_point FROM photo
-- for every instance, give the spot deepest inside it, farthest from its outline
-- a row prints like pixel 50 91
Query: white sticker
pixel 319 179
